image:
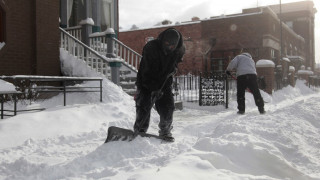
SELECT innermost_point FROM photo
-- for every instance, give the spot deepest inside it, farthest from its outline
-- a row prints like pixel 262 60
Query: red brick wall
pixel 292 79
pixel 47 37
pixel 16 57
pixel 32 38
pixel 2 15
pixel 192 38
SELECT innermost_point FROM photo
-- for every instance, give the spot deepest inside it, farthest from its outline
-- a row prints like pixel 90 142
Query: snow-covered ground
pixel 67 142
pixel 211 142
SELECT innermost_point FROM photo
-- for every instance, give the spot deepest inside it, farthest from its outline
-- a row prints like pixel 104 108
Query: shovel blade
pixel 119 134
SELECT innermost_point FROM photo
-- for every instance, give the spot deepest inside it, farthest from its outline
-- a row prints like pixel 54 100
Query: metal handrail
pixel 129 57
pixel 84 45
pixel 93 59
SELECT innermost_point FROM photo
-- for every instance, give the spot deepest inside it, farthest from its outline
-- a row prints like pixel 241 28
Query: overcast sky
pixel 147 13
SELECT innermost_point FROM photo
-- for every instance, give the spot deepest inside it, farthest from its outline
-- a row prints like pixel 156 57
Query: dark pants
pixel 164 107
pixel 248 81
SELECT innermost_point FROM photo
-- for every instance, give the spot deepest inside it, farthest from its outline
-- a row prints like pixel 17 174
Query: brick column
pixel 291 76
pixel 265 68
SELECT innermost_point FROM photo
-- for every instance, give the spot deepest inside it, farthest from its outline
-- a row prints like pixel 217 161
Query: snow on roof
pixel 162 26
pixel 233 15
pixel 296 58
pixel 286 59
pixel 265 63
pixel 305 72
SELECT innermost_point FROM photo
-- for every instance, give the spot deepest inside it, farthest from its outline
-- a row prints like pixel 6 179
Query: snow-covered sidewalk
pixel 211 142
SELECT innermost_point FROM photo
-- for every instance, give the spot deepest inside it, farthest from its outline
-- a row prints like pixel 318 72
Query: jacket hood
pixel 161 35
pixel 247 54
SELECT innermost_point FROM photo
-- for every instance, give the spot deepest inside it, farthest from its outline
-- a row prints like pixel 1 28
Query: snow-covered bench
pixel 7 89
pixel 3 95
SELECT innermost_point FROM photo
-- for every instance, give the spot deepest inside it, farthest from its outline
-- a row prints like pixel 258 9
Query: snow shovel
pixel 122 134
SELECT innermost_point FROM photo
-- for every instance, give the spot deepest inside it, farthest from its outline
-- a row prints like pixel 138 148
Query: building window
pixel 273 54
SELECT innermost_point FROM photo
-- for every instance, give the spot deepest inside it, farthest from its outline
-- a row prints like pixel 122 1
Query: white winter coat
pixel 243 64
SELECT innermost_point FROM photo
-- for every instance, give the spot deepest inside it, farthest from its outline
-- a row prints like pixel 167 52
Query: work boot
pixel 262 111
pixel 166 136
pixel 240 112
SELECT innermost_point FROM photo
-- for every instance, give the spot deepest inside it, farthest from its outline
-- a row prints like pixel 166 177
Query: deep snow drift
pixel 211 142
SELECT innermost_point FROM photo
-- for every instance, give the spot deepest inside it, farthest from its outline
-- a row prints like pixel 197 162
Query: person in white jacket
pixel 246 73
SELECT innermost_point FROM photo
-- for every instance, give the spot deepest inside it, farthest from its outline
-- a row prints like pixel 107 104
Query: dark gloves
pixel 156 94
pixel 228 72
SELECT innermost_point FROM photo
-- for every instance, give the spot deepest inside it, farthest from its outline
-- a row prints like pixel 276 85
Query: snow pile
pixel 6 86
pixel 68 142
pixel 72 66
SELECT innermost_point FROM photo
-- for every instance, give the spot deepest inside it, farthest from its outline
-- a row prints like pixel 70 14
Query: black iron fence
pixel 314 82
pixel 206 89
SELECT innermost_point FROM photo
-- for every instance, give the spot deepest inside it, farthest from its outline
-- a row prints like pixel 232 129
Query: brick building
pixel 31 37
pixel 192 38
pixel 212 43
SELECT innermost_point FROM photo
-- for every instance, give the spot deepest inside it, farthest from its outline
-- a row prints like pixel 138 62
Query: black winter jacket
pixel 155 65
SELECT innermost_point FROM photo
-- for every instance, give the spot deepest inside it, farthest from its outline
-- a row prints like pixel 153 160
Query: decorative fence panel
pixel 213 90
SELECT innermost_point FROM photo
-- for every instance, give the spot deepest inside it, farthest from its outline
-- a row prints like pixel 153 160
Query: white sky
pixel 147 13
